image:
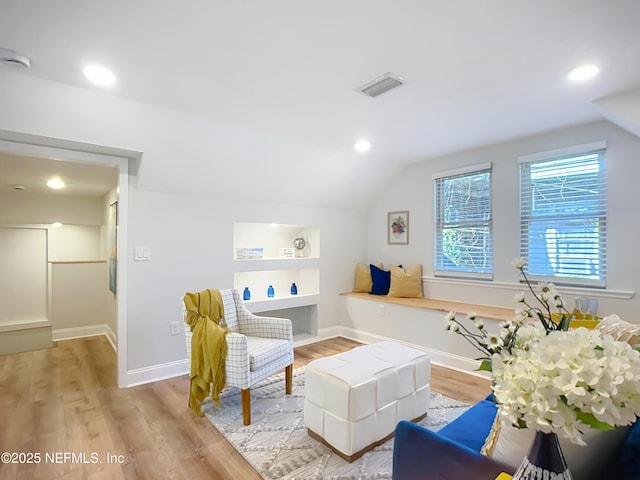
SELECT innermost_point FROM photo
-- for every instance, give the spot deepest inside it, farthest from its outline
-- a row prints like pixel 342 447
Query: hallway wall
pixel 73 293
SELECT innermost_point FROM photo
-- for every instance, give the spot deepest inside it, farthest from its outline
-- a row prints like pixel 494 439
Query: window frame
pixel 439 223
pixel 525 161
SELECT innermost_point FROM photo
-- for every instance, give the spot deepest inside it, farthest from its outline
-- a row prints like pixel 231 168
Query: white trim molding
pixel 563 152
pixel 86 331
pixel 155 373
pixel 462 170
pixel 12 326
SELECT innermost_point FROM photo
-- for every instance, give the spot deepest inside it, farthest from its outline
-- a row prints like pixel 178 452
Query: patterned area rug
pixel 278 446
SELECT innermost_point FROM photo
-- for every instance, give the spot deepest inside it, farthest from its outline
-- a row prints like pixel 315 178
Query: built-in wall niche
pixel 307 281
pixel 304 319
pixel 279 256
pixel 265 241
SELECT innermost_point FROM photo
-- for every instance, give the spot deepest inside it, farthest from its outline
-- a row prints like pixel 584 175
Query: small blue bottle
pixel 294 289
pixel 246 295
pixel 270 292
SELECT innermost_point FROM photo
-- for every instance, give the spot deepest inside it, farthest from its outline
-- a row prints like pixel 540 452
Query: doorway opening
pixel 126 162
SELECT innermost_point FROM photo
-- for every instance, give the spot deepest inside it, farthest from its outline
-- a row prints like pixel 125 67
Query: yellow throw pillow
pixel 406 283
pixel 363 281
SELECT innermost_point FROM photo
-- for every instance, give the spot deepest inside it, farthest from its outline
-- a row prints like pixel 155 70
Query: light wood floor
pixel 64 400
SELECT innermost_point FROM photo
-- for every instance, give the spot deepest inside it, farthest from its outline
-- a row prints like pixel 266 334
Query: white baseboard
pixel 155 373
pixel 87 331
pixel 80 332
pixel 112 337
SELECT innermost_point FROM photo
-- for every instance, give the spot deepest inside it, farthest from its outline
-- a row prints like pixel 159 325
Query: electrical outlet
pixel 175 328
pixel 381 310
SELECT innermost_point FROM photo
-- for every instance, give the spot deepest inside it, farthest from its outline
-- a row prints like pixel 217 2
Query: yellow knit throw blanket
pixel 208 346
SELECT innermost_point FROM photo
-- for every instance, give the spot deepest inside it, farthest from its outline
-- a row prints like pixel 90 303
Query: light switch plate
pixel 142 254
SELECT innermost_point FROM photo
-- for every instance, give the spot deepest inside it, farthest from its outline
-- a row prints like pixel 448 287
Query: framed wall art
pixel 398 228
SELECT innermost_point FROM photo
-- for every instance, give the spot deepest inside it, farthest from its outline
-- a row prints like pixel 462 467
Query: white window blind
pixel 563 215
pixel 463 223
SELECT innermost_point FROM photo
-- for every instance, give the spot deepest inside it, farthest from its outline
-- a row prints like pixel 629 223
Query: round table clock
pixel 299 243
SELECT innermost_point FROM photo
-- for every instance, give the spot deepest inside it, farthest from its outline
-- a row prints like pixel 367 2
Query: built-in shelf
pixel 278 303
pixel 275 264
pixel 306 279
pixel 265 254
pixel 265 241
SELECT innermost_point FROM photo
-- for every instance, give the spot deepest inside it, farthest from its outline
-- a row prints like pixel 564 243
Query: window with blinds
pixel 563 215
pixel 463 223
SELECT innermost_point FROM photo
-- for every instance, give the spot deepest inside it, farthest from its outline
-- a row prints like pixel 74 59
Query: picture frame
pixel 113 245
pixel 398 227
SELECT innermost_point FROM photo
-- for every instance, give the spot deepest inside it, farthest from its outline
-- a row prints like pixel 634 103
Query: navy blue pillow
pixel 626 466
pixel 473 426
pixel 381 280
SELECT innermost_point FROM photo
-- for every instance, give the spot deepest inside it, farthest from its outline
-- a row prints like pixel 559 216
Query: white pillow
pixel 584 462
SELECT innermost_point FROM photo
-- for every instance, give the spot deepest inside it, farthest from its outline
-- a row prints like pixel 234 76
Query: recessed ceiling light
pixel 583 73
pixel 362 146
pixel 56 224
pixel 55 183
pixel 11 58
pixel 101 76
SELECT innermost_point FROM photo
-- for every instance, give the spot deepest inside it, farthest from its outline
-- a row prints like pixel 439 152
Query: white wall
pixel 23 278
pixel 191 241
pixel 77 297
pixel 74 243
pixel 413 191
pixel 76 291
pixel 24 207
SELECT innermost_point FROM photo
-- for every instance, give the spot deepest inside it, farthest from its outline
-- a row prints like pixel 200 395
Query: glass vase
pixel 543 460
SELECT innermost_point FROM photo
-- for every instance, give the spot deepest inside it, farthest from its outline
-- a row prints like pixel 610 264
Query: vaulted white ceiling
pixel 476 72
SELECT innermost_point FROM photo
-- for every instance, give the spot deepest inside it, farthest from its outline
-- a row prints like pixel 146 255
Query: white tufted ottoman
pixel 354 400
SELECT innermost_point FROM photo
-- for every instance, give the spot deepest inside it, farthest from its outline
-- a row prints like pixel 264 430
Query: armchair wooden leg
pixel 246 406
pixel 288 374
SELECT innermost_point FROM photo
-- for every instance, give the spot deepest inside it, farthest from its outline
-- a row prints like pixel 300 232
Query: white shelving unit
pixel 264 254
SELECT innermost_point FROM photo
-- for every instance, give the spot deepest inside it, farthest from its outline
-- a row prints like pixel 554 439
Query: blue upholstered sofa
pixel 453 452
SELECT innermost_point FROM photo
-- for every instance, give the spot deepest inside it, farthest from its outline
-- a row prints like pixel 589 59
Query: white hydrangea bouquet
pixel 553 380
pixel 565 380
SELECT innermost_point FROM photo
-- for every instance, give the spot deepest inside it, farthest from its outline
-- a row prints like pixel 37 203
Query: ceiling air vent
pixel 382 84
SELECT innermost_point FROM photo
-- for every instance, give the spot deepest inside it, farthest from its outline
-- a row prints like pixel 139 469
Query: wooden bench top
pixel 461 308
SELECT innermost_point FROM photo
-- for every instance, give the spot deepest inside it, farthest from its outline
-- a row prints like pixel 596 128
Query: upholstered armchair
pixel 257 347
